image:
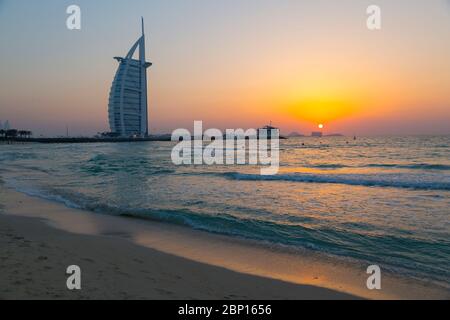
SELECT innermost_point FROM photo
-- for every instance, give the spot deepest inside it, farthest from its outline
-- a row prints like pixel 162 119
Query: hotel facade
pixel 127 108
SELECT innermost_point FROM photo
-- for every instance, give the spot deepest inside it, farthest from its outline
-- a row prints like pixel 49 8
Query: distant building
pixel 317 134
pixel 127 107
pixel 268 130
pixel 295 134
pixel 6 126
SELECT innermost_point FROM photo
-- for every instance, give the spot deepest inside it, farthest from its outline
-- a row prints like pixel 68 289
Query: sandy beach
pixel 123 258
pixel 34 258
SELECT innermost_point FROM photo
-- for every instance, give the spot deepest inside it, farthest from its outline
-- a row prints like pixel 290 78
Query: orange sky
pixel 234 64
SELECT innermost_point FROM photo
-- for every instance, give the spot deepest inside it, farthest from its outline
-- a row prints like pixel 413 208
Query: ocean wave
pixel 348 241
pixel 102 164
pixel 14 156
pixel 38 193
pixel 327 166
pixel 407 181
pixel 423 166
pixel 412 166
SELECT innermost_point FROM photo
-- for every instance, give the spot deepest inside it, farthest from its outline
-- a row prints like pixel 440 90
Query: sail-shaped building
pixel 127 107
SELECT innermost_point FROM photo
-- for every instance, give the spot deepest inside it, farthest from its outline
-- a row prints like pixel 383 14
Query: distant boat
pixel 268 130
pixel 316 134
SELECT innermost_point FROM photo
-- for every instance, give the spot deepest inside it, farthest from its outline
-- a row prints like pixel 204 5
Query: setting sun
pixel 320 126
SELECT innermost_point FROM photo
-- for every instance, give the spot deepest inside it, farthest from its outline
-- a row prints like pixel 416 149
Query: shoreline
pixel 122 252
pixel 37 255
pixel 71 140
pixel 74 140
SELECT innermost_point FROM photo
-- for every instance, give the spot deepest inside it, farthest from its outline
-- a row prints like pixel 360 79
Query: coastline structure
pixel 127 108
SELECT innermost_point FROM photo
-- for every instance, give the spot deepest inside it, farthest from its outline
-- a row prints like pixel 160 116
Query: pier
pixel 83 140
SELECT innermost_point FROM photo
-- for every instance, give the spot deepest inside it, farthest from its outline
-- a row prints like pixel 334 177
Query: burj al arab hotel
pixel 127 106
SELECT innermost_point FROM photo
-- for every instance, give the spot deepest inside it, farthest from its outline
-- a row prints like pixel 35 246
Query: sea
pixel 373 200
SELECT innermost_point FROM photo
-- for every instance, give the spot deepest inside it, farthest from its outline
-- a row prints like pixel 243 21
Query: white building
pixel 128 97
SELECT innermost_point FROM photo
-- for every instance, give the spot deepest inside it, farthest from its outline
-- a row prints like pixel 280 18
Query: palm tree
pixel 24 133
pixel 11 133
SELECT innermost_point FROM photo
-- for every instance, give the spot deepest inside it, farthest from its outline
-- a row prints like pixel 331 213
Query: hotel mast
pixel 127 106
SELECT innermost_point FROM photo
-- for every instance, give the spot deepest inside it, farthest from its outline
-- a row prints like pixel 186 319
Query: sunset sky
pixel 232 63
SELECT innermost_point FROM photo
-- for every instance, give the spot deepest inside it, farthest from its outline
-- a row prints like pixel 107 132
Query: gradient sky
pixel 232 63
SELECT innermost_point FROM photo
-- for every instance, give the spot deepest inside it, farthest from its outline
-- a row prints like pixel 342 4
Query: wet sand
pixel 124 258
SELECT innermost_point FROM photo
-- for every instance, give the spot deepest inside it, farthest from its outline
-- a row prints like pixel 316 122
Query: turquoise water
pixel 381 201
